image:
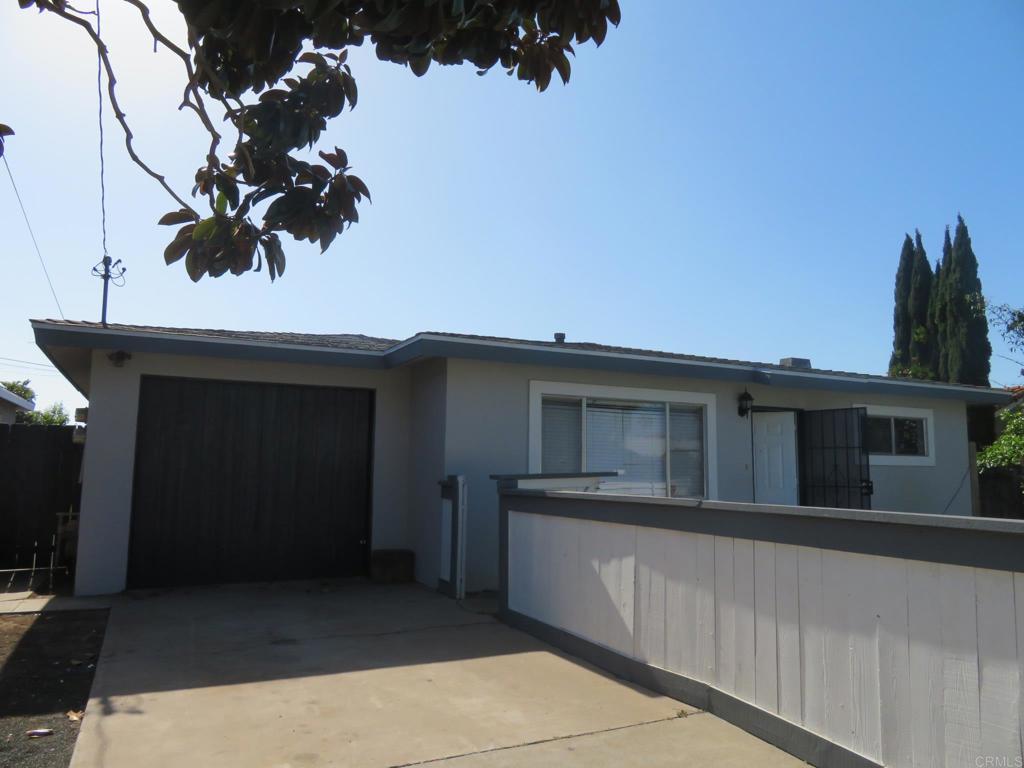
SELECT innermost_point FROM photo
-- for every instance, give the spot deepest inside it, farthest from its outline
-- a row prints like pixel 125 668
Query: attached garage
pixel 248 481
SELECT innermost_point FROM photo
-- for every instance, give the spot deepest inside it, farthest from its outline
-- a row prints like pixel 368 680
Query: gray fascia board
pixel 427 345
pixel 204 346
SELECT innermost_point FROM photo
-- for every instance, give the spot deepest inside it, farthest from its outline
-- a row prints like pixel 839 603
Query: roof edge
pixel 757 374
pixel 159 342
pixel 16 400
pixel 423 345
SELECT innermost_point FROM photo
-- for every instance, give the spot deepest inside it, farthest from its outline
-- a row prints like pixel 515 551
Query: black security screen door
pixel 834 469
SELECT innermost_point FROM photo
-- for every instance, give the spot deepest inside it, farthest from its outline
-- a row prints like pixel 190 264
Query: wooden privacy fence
pixel 1001 492
pixel 847 637
pixel 39 468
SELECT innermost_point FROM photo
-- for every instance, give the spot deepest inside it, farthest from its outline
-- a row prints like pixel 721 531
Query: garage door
pixel 240 481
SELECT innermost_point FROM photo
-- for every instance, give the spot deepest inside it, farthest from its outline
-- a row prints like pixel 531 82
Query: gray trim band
pixel 209 348
pixel 783 734
pixel 969 541
pixel 425 346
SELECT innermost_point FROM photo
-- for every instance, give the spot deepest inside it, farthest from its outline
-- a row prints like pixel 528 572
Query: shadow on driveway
pixel 336 674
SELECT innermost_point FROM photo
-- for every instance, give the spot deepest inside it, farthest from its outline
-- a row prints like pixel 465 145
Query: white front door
pixel 775 470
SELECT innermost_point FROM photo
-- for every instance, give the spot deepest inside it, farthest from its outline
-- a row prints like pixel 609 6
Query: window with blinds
pixel 658 448
pixel 562 435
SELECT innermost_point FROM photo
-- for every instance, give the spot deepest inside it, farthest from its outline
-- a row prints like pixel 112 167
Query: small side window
pixel 909 437
pixel 879 436
pixel 898 436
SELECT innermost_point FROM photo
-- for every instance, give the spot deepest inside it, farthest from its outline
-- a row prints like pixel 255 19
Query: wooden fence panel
pixel 1000 493
pixel 39 469
pixel 910 664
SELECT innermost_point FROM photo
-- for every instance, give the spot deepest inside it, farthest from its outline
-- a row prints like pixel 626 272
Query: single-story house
pixel 11 405
pixel 218 455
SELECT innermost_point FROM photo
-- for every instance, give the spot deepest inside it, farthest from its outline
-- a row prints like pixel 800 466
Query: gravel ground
pixel 47 661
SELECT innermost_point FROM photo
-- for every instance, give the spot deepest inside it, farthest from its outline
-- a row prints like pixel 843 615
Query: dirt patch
pixel 47 662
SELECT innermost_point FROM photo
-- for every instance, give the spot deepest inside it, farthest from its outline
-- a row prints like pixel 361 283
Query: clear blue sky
pixel 728 179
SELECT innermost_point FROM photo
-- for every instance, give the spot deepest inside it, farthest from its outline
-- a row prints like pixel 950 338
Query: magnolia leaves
pixel 309 201
pixel 5 131
pixel 317 206
pixel 220 244
pixel 245 55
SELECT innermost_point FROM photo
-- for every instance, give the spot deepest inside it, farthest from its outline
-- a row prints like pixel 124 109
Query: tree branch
pixel 119 114
pixel 196 104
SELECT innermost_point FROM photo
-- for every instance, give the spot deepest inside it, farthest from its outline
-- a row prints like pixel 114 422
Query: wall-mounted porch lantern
pixel 746 401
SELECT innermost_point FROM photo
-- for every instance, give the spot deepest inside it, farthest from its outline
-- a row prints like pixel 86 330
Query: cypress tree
pixel 918 305
pixel 940 299
pixel 899 362
pixel 966 334
pixel 933 321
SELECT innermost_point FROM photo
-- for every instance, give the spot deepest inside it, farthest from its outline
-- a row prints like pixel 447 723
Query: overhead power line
pixel 26 362
pixel 108 270
pixel 32 234
pixel 24 370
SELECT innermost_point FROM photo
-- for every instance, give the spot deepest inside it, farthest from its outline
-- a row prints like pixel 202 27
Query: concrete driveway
pixel 357 675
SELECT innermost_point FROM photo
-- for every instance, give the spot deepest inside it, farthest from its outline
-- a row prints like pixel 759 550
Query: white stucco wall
pixel 488 427
pixel 110 450
pixel 440 417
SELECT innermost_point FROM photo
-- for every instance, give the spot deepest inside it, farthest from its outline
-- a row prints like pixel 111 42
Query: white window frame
pixel 903 412
pixel 541 389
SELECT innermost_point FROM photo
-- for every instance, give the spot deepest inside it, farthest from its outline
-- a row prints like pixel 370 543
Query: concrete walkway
pixel 356 675
pixel 29 602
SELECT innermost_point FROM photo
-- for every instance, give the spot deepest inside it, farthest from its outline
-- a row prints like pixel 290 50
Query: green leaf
pixel 195 266
pixel 205 229
pixel 418 64
pixel 561 63
pixel 228 187
pixel 177 217
pixel 222 203
pixel 359 186
pixel 290 204
pixel 177 248
pixel 351 92
pixel 333 159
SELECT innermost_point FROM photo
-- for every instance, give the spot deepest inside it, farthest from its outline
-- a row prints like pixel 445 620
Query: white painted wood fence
pixel 908 663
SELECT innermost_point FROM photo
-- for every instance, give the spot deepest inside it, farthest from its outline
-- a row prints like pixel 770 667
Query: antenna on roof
pixel 108 272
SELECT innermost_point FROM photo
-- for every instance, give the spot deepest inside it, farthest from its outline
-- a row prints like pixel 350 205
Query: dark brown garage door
pixel 239 481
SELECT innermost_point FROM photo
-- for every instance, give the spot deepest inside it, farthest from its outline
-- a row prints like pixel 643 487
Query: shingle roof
pixel 360 342
pixel 327 340
pixel 586 346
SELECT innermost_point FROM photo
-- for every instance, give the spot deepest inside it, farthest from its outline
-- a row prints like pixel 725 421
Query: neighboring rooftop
pixel 17 401
pixel 384 352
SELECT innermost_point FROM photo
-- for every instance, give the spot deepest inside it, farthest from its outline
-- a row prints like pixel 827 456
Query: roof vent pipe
pixel 559 338
pixel 795 362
